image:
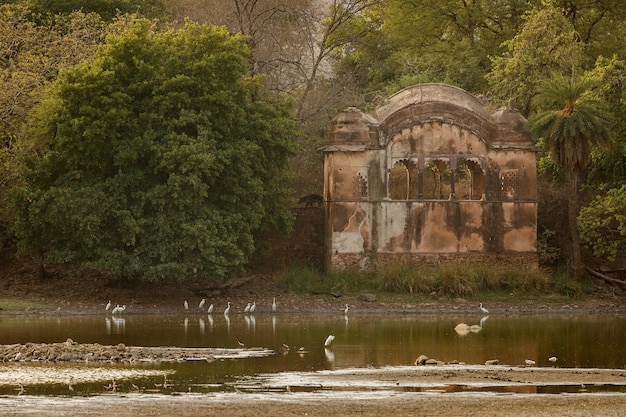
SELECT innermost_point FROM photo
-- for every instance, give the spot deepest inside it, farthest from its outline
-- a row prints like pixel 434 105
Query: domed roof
pixel 430 93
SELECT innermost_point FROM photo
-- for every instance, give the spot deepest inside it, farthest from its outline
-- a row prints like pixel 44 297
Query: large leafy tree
pixel 107 9
pixel 602 224
pixel 571 122
pixel 158 157
pixel 31 56
pixel 545 43
pixel 402 42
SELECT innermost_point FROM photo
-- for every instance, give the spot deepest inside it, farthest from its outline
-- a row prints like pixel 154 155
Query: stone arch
pixel 430 167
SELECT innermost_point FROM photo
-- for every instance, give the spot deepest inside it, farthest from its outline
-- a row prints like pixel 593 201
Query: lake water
pixel 361 340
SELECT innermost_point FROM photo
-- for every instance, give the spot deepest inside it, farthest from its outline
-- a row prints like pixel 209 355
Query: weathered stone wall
pixel 371 262
pixel 430 173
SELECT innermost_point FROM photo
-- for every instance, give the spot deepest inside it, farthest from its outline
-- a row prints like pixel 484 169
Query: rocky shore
pixel 70 351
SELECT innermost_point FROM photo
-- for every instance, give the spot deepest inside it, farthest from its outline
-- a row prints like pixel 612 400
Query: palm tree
pixel 571 121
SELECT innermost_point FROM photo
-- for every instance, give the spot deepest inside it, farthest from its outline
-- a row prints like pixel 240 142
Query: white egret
pixel 345 310
pixel 552 359
pixel 253 307
pixel 274 304
pixel 529 362
pixel 329 340
pixel 118 309
pixel 483 309
pixel 201 305
pixel 108 306
pixel 186 305
pixel 247 309
pixel 227 309
pixel 210 310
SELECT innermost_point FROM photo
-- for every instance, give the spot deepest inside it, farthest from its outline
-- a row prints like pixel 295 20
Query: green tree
pixel 30 57
pixel 609 168
pixel 571 121
pixel 602 224
pixel 401 42
pixel 106 9
pixel 545 43
pixel 158 157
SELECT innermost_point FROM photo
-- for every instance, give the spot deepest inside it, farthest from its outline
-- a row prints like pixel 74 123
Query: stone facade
pixel 430 176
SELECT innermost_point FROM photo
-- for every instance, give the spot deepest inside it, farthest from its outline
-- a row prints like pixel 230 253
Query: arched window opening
pixel 469 180
pixel 402 180
pixel 436 180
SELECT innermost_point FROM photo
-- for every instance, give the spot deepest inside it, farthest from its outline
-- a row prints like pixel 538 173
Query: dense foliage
pixel 140 142
pixel 156 157
pixel 603 224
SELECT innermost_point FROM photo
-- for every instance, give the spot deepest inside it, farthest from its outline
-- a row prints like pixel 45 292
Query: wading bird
pixel 274 304
pixel 118 309
pixel 186 305
pixel 210 310
pixel 483 309
pixel 253 307
pixel 247 309
pixel 227 309
pixel 108 306
pixel 329 340
pixel 201 305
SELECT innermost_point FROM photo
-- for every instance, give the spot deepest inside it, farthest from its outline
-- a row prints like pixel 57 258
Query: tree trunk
pixel 576 266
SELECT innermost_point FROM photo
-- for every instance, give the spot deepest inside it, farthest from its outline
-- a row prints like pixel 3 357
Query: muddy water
pixel 360 341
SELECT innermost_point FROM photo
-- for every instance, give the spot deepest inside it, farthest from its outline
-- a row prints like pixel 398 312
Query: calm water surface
pixel 360 340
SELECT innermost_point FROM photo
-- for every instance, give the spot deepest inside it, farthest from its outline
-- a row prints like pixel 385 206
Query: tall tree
pixel 157 157
pixel 403 42
pixel 30 57
pixel 571 121
pixel 546 42
pixel 292 42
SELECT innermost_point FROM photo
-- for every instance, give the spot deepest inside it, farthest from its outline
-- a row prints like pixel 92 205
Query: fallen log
pixel 606 278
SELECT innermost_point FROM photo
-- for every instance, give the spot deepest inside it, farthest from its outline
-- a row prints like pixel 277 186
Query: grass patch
pixel 455 280
pixel 405 278
pixel 11 304
pixel 566 286
pixel 300 280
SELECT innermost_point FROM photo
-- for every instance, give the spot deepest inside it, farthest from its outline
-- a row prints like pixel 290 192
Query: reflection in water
pixel 330 357
pixel 366 340
pixel 119 325
pixel 227 322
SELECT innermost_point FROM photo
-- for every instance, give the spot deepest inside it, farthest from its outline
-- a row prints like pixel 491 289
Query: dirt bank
pixel 367 404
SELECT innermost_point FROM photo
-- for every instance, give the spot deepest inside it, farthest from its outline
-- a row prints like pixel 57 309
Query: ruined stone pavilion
pixel 430 177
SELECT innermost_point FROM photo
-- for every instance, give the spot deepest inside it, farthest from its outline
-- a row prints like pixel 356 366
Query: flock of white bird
pixel 250 308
